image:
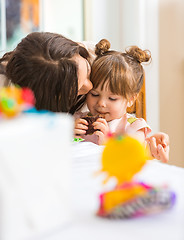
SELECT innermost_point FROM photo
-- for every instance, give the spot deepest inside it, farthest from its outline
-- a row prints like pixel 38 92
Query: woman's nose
pixel 86 87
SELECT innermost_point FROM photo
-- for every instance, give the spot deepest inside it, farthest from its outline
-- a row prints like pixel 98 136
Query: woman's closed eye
pixel 94 94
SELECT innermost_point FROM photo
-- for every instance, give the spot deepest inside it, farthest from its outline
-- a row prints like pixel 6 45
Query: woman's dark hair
pixel 43 62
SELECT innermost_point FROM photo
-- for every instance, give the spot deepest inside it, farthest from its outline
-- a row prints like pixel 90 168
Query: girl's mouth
pixel 102 114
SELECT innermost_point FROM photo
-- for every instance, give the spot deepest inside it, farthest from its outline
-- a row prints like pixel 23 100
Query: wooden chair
pixel 139 107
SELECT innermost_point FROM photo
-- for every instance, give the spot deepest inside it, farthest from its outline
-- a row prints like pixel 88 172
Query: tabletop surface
pixel 86 188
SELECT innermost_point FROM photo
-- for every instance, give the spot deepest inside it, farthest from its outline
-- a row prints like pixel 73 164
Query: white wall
pixel 172 75
pixel 151 42
pixel 2 27
pixel 64 17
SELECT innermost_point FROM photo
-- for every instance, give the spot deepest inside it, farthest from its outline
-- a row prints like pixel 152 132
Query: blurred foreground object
pixel 122 158
pixel 14 100
pixel 34 174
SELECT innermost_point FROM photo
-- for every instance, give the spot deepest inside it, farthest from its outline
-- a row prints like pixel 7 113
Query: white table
pixel 168 225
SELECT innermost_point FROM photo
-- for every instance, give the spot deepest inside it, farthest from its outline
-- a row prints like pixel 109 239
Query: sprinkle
pixel 109 134
pixel 119 138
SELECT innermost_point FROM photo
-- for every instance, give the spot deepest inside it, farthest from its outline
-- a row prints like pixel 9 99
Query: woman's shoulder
pixel 90 46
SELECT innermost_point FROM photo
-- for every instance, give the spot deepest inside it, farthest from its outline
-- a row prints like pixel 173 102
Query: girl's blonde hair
pixel 121 72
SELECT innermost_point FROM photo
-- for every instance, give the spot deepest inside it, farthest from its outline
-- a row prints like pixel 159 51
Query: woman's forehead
pixel 82 63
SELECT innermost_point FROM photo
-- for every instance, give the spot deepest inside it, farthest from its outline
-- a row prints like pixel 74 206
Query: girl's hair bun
pixel 102 47
pixel 139 54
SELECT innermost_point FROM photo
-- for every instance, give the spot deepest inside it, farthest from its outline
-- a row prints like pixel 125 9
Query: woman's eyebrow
pixel 94 90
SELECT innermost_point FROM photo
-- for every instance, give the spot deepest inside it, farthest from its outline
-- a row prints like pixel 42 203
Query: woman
pixel 57 70
pixel 54 67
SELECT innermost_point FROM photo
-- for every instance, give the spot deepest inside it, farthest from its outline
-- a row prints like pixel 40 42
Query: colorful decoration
pixel 14 100
pixel 135 200
pixel 122 158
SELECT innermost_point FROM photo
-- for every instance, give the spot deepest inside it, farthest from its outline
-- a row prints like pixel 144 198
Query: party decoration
pixel 14 100
pixel 122 158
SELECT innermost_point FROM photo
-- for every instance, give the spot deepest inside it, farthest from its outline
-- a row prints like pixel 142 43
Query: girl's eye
pixel 94 94
pixel 112 99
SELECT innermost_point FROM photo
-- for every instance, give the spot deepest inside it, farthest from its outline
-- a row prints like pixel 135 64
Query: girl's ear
pixel 132 100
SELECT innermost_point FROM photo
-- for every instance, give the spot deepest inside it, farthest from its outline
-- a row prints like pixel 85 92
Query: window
pixel 20 17
pixel 17 19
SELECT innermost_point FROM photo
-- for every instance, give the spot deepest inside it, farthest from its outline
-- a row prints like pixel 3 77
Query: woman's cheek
pixel 86 87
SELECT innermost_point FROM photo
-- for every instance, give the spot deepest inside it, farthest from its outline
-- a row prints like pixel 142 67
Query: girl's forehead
pixel 104 90
pixel 103 86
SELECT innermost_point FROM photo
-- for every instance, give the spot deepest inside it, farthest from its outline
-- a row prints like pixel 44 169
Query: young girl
pixel 117 79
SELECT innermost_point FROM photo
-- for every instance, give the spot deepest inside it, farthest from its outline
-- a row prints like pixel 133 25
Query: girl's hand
pixel 81 125
pixel 102 130
pixel 159 146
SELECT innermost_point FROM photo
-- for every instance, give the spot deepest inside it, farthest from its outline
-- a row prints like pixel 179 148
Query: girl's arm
pixel 140 135
pixel 159 146
pixel 158 143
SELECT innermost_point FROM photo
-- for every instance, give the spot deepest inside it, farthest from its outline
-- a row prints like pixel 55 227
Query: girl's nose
pixel 102 102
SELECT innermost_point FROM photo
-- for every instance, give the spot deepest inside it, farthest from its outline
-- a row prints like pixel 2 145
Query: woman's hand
pixel 81 126
pixel 159 146
pixel 102 130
